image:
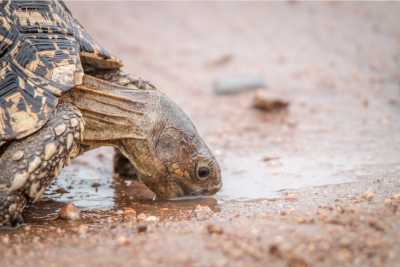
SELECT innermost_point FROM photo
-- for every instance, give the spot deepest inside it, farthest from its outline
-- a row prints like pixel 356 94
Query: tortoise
pixel 62 94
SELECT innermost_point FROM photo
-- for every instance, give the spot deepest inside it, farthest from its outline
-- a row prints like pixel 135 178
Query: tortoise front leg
pixel 29 165
pixel 123 167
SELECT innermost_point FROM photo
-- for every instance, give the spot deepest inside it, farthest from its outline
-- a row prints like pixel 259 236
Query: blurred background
pixel 300 102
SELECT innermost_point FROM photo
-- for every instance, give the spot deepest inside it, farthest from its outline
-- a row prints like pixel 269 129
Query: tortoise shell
pixel 42 53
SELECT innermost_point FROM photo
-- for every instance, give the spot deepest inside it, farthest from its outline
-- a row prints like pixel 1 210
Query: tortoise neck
pixel 112 112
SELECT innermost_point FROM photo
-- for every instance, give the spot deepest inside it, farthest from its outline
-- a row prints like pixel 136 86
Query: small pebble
pixel 388 201
pixel 368 196
pixel 141 228
pixel 61 190
pixel 393 202
pixel 237 84
pixel 70 212
pixel 396 197
pixel 221 60
pixel 123 241
pixel 119 212
pixel 267 158
pixel 144 218
pixel 214 229
pixel 202 212
pixel 267 103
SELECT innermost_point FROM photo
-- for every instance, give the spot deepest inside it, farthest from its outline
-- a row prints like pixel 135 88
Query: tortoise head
pixel 173 160
pixel 150 130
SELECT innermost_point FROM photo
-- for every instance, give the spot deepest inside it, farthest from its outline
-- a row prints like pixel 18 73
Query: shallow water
pixel 246 176
pixel 88 181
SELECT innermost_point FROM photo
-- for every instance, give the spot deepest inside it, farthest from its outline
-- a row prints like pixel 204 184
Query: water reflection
pixel 103 198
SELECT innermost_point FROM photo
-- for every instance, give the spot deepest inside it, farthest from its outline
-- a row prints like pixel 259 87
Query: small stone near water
pixel 237 84
pixel 214 229
pixel 275 250
pixel 123 241
pixel 202 212
pixel 368 196
pixel 396 197
pixel 221 60
pixel 61 190
pixel 70 212
pixel 393 202
pixel 388 202
pixel 267 103
pixel 144 218
pixel 119 212
pixel 297 262
pixel 282 213
pixel 267 158
pixel 141 228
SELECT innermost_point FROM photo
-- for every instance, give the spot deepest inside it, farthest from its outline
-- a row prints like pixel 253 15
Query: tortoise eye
pixel 202 172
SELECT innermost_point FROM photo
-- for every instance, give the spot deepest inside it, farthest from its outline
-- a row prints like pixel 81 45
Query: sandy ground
pixel 329 197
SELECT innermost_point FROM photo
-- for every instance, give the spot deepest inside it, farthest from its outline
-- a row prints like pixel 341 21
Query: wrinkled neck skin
pixel 125 118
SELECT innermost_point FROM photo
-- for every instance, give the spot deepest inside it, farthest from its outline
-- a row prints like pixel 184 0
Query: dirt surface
pixel 314 185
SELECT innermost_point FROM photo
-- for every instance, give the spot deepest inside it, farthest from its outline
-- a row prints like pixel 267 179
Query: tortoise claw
pixel 17 222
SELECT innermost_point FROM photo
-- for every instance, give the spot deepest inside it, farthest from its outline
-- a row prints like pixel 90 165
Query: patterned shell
pixel 42 49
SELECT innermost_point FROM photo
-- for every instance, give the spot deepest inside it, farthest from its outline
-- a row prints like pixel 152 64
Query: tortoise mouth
pixel 172 187
pixel 210 190
pixel 215 188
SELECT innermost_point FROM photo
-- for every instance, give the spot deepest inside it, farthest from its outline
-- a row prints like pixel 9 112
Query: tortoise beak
pixel 215 188
pixel 211 190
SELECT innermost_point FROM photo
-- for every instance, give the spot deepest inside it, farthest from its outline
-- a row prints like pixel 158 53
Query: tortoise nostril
pixel 203 172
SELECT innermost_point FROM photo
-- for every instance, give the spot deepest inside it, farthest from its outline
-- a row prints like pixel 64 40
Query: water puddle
pixel 252 177
pixel 89 182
